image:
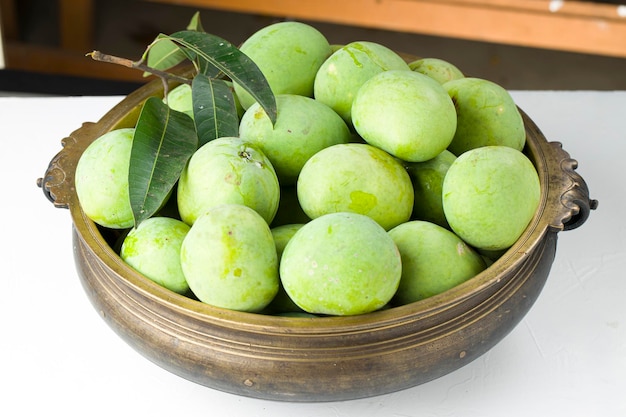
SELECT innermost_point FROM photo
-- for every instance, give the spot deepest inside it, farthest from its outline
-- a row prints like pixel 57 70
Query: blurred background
pixel 520 44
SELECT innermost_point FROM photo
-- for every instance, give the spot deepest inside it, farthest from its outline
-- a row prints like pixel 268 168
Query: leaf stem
pixel 139 65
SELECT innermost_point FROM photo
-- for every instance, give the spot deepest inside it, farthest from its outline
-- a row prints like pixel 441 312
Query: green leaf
pixel 163 54
pixel 213 51
pixel 194 23
pixel 214 110
pixel 202 66
pixel 164 141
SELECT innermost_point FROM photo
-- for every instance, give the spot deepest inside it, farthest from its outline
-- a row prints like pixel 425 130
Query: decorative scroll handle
pixel 58 182
pixel 574 193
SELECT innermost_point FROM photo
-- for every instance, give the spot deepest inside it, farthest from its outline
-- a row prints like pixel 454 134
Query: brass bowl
pixel 320 359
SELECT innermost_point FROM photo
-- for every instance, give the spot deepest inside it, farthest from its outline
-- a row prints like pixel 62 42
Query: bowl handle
pixel 574 204
pixel 58 181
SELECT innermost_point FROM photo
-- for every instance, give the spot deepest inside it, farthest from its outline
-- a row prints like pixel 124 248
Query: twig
pixel 165 76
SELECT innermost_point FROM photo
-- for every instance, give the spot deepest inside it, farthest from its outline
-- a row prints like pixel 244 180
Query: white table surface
pixel 566 358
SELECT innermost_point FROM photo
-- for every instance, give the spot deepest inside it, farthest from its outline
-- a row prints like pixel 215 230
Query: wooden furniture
pixel 76 35
pixel 574 26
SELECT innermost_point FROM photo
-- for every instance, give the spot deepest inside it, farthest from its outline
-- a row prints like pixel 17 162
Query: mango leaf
pixel 163 54
pixel 214 111
pixel 163 142
pixel 195 23
pixel 202 66
pixel 212 51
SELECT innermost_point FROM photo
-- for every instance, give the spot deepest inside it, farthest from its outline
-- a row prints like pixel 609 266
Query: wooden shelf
pixel 76 25
pixel 60 61
pixel 574 26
